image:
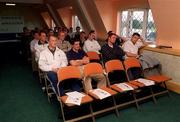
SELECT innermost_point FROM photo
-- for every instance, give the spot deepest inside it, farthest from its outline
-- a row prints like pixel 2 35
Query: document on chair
pixel 74 97
pixel 146 82
pixel 124 86
pixel 101 93
pixel 71 100
pixel 75 94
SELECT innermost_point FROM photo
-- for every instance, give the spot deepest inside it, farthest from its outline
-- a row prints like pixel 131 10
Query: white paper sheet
pixel 75 94
pixel 146 82
pixel 124 86
pixel 71 100
pixel 101 93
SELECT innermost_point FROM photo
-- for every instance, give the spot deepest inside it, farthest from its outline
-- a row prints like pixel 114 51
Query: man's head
pixel 76 44
pixel 135 37
pixel 52 42
pixel 61 35
pixel 50 32
pixel 36 35
pixel 42 35
pixel 78 29
pixel 82 35
pixel 112 38
pixel 92 35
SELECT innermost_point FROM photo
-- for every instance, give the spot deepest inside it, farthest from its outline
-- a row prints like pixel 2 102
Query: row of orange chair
pixel 129 66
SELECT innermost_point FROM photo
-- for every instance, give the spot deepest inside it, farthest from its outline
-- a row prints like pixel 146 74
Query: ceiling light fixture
pixel 10 4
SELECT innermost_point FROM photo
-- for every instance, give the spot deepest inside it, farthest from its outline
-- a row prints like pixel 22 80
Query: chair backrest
pixel 133 68
pixel 67 76
pixel 115 71
pixel 113 65
pixel 68 72
pixel 93 56
pixel 92 68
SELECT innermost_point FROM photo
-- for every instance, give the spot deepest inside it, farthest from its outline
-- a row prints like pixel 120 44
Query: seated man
pixel 132 46
pixel 63 44
pixel 51 59
pixel 91 44
pixel 41 45
pixel 111 51
pixel 77 57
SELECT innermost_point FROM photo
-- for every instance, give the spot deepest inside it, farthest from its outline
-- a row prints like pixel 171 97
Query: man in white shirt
pixel 41 45
pixel 132 46
pixel 34 41
pixel 91 44
pixel 32 48
pixel 51 59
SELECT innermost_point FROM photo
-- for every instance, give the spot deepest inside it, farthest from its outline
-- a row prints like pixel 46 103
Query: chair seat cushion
pixel 85 99
pixel 159 78
pixel 115 87
pixel 110 91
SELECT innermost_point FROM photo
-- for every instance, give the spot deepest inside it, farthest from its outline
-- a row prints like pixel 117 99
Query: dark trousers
pixel 54 80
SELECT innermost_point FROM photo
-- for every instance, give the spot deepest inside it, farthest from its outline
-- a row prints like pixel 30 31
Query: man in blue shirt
pixel 77 57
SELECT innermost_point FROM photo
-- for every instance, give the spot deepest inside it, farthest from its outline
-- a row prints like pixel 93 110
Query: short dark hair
pixel 74 40
pixel 111 34
pixel 92 31
pixel 136 34
pixel 34 32
pixel 78 27
pixel 42 31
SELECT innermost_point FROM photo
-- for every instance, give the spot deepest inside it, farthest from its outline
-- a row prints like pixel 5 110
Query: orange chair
pixel 160 79
pixel 96 68
pixel 115 69
pixel 69 74
pixel 94 57
pixel 134 71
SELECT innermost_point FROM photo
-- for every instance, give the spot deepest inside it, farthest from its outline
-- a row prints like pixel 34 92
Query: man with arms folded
pixel 77 57
pixel 51 59
pixel 110 50
pixel 91 44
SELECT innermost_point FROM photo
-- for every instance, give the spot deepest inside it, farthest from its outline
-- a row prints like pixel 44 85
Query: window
pixel 76 22
pixel 53 25
pixel 140 21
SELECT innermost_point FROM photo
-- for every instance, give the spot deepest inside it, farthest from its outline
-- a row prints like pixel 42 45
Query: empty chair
pixel 135 75
pixel 67 75
pixel 160 79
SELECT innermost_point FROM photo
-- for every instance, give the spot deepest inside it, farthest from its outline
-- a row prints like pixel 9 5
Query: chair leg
pixel 47 90
pixel 116 109
pixel 153 96
pixel 136 102
pixel 165 86
pixel 62 111
pixel 91 110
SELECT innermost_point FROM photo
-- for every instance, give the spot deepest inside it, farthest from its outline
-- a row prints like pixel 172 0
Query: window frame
pixel 129 19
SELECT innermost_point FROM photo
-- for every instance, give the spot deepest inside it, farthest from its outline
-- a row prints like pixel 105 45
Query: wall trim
pixel 173 86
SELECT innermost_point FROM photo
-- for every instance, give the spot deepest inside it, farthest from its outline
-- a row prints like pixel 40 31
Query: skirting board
pixel 173 86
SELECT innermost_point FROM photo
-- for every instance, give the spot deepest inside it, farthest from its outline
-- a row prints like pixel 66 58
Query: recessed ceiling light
pixel 10 4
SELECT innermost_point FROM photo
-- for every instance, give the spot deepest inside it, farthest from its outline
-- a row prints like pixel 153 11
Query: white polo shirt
pixel 38 49
pixel 91 46
pixel 128 46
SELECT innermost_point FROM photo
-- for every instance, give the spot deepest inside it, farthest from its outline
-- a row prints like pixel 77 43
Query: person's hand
pixel 85 60
pixel 55 70
pixel 141 38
